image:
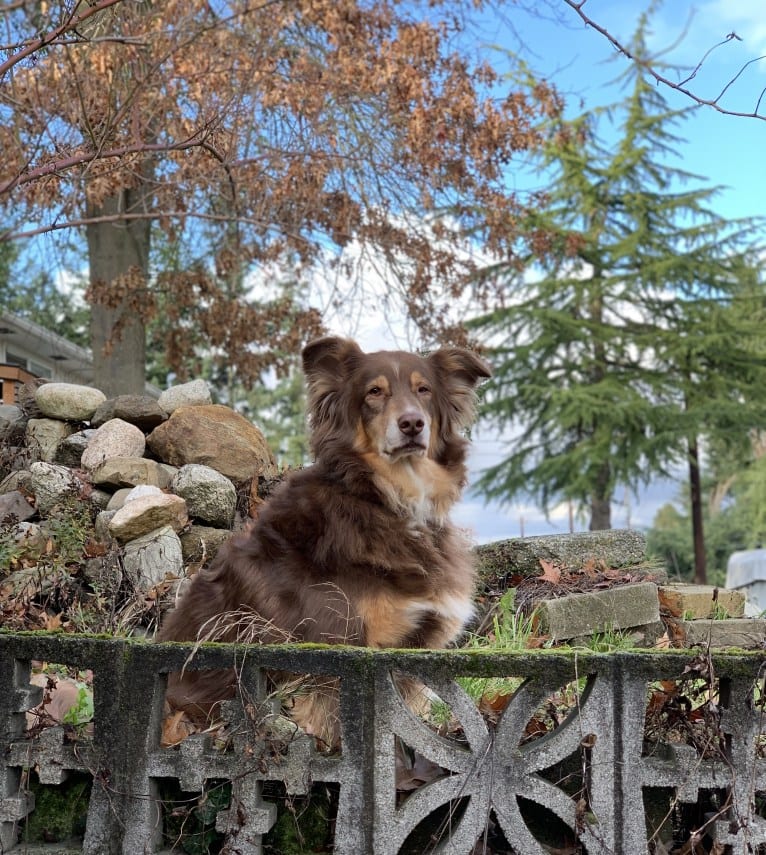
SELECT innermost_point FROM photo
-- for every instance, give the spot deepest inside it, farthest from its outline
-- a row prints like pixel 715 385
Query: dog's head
pixel 391 403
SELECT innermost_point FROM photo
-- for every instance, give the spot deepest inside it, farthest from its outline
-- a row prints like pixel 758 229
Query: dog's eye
pixel 375 391
pixel 424 390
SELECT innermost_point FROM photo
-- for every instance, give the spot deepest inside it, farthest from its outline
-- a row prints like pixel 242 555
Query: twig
pixel 678 86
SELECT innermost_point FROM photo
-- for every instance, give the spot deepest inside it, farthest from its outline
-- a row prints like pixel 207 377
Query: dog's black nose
pixel 411 424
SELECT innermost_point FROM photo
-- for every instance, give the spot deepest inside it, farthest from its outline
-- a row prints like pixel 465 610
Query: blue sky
pixel 723 150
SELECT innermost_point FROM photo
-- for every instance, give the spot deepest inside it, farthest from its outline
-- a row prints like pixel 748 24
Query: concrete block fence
pixel 495 769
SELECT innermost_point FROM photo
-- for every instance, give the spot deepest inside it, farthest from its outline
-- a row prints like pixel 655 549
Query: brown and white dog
pixel 358 547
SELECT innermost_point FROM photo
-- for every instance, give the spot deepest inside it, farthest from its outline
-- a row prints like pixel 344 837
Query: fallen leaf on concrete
pixel 551 572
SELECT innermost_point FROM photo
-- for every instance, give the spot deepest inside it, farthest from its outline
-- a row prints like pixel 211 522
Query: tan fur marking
pixel 418 483
pixel 382 381
pixel 387 622
pixel 417 380
pixel 362 442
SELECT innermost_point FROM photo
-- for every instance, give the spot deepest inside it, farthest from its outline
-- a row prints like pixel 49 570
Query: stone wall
pixel 596 749
pixel 166 482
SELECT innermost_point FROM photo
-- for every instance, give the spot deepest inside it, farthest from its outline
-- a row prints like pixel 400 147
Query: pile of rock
pixel 170 477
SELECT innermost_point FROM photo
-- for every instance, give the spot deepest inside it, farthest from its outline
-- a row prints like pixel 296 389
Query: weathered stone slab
pixel 44 435
pixel 693 602
pixel 615 547
pixel 744 633
pixel 149 558
pixel 20 479
pixel 622 607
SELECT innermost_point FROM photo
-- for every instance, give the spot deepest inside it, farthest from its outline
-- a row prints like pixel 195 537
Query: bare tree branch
pixel 60 166
pixel 680 86
pixel 123 217
pixel 71 23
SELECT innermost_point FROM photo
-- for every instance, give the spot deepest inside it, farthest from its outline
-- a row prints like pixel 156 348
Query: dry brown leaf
pixel 494 704
pixel 591 568
pixel 94 548
pixel 52 621
pixel 535 727
pixel 551 572
pixel 175 728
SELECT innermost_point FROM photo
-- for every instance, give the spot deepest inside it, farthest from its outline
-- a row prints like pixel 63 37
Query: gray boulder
pixel 192 394
pixel 210 497
pixel 12 423
pixel 68 401
pixel 52 484
pixel 140 410
pixel 115 438
pixel 70 450
pixel 13 504
pixel 148 559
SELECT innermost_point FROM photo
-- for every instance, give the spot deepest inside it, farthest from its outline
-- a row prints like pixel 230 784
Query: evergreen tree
pixel 670 540
pixel 280 412
pixel 617 349
pixel 42 301
pixel 7 255
pixel 750 501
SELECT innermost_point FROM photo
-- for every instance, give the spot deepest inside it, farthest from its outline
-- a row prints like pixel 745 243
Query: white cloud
pixel 746 18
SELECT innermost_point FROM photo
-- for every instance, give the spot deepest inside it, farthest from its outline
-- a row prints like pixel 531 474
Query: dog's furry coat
pixel 357 548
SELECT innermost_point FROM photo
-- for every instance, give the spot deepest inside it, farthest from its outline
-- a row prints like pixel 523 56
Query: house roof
pixel 48 346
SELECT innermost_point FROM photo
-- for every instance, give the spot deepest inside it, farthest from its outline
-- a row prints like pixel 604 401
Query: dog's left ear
pixel 460 372
pixel 463 365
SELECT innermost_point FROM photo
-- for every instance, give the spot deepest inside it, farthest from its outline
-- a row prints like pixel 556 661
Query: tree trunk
pixel 698 532
pixel 600 501
pixel 600 514
pixel 118 252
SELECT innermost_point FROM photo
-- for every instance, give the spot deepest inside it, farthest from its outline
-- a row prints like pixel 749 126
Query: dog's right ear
pixel 327 357
pixel 326 363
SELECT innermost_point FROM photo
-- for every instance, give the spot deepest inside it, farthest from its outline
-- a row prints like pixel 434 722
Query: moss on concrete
pixel 303 823
pixel 60 810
